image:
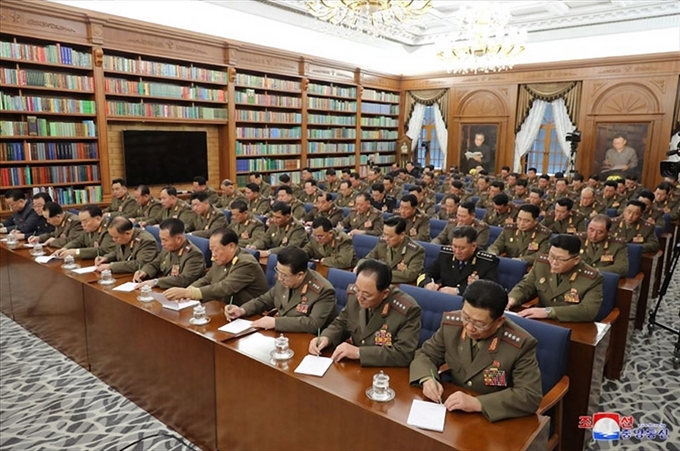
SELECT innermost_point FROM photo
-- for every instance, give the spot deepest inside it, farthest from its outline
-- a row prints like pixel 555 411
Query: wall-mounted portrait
pixel 478 144
pixel 620 148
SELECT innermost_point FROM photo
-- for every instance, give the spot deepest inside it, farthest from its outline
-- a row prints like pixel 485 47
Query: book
pixel 32 125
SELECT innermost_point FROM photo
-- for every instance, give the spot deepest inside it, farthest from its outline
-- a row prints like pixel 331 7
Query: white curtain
pixel 527 134
pixel 442 134
pixel 563 126
pixel 416 124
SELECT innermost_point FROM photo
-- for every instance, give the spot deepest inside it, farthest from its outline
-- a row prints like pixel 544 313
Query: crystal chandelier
pixel 484 42
pixel 372 16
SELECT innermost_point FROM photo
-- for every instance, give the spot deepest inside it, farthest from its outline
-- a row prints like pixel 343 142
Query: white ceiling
pixel 558 30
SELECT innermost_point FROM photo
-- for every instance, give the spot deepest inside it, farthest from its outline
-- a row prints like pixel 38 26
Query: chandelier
pixel 372 16
pixel 484 41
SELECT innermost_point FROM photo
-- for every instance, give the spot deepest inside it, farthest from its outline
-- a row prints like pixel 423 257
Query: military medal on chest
pixel 303 307
pixel 572 297
pixel 383 337
pixel 495 377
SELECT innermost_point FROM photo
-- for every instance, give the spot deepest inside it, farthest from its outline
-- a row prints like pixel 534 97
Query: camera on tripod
pixel 671 168
pixel 573 137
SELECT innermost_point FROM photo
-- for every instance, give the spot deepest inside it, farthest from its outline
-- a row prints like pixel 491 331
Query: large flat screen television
pixel 164 157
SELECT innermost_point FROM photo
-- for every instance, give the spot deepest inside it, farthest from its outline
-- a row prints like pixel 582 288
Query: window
pixel 546 154
pixel 429 151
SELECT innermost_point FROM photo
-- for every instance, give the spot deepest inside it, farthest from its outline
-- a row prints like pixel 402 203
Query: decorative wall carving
pixel 482 103
pixel 626 98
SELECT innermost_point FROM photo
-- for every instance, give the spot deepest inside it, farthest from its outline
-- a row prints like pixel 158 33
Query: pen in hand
pixel 434 378
pixel 231 302
pixel 318 341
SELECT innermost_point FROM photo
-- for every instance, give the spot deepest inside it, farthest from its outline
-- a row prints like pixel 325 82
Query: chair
pixel 254 252
pixel 438 197
pixel 480 213
pixel 363 244
pixel 436 227
pixel 341 279
pixel 437 208
pixel 474 199
pixel 155 231
pixel 431 252
pixel 510 272
pixel 494 233
pixel 408 186
pixel 263 219
pixel 227 214
pixel 308 207
pixel 204 245
pixel 634 259
pixel 552 352
pixel 334 195
pixel 75 211
pixel 433 304
pixel 270 271
pixel 345 211
pixel 609 288
pixel 387 216
pixel 612 212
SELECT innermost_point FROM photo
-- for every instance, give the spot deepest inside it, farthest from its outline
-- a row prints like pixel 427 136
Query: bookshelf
pixel 268 124
pixel 379 128
pixel 48 121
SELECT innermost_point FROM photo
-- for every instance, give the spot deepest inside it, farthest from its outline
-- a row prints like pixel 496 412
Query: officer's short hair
pixel 569 243
pixel 498 184
pixel 364 196
pixel 15 195
pixel 457 184
pixel 544 176
pixel 632 176
pixel 501 199
pixel 469 206
pixel 44 196
pixel 647 194
pixel 293 257
pixel 665 186
pixel 355 175
pixel 227 236
pixel 325 196
pixel 255 174
pixel 330 172
pixel 239 205
pixel 602 218
pixel 143 190
pixel 594 177
pixel 455 198
pixel 415 189
pixel 397 222
pixel 379 271
pixel 565 202
pixel 174 226
pixel 226 182
pixel 254 187
pixel 285 188
pixel 311 182
pixel 202 196
pixel 467 232
pixel 379 187
pixel 410 199
pixel 611 183
pixel 121 224
pixel 93 210
pixel 388 177
pixel 120 181
pixel 505 168
pixel 522 182
pixel 487 295
pixel 325 223
pixel 641 205
pixel 281 207
pixel 532 209
pixel 284 178
pixel 577 177
pixel 170 190
pixel 200 180
pixel 53 209
pixel 540 192
pixel 345 182
pixel 532 170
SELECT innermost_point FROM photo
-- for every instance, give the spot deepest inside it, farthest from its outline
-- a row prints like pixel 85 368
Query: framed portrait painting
pixel 478 144
pixel 620 148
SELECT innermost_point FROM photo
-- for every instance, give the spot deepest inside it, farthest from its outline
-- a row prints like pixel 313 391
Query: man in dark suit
pixel 481 154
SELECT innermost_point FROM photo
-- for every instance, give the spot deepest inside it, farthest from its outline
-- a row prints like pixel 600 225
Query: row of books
pixel 118 108
pixel 268 116
pixel 251 98
pixel 73 196
pixel 141 67
pixel 380 121
pixel 54 54
pixel 256 81
pixel 379 134
pixel 378 108
pixel 380 96
pixel 47 151
pixel 378 159
pixel 326 90
pixel 324 119
pixel 331 104
pixel 378 146
pixel 330 162
pixel 267 149
pixel 322 147
pixel 39 78
pixel 145 88
pixel 42 127
pixel 46 104
pixel 251 132
pixel 48 174
pixel 266 164
pixel 331 133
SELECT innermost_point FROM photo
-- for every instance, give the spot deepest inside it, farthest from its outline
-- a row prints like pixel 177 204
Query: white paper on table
pixel 126 287
pixel 236 326
pixel 427 415
pixel 85 270
pixel 314 365
pixel 174 305
pixel 44 258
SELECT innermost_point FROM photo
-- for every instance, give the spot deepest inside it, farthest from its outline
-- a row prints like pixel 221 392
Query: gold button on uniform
pixel 469 383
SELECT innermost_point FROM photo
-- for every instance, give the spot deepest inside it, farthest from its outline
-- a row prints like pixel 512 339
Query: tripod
pixel 662 292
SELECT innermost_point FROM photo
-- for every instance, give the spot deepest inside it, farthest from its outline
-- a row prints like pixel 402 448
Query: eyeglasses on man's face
pixel 475 324
pixel 556 259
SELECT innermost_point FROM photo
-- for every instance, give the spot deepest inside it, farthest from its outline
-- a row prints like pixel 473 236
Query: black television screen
pixel 163 158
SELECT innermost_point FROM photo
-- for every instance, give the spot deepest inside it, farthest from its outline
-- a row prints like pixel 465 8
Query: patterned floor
pixel 49 403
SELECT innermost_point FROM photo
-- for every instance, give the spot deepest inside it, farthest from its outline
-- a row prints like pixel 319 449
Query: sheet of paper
pixel 174 305
pixel 85 270
pixel 314 365
pixel 427 415
pixel 44 258
pixel 236 326
pixel 126 287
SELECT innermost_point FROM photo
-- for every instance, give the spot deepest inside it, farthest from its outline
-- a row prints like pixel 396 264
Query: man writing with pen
pixel 486 353
pixel 303 300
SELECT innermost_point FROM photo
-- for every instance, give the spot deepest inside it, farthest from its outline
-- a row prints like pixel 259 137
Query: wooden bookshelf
pixel 379 128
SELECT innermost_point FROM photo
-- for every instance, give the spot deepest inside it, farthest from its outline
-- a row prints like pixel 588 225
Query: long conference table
pixel 224 392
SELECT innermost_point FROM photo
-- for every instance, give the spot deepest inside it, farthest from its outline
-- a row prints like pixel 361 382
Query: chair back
pixel 436 227
pixel 510 272
pixel 227 214
pixel 494 233
pixel 156 232
pixel 431 253
pixel 263 219
pixel 433 304
pixel 437 207
pixel 479 213
pixel 438 197
pixel 308 207
pixel 341 279
pixel 204 245
pixel 609 288
pixel 387 216
pixel 254 252
pixel 474 199
pixel 345 211
pixel 363 244
pixel 270 271
pixel 634 259
pixel 612 212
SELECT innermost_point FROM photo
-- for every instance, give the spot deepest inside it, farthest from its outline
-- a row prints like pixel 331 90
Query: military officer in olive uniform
pixel 229 194
pixel 95 239
pixel 564 219
pixel 324 208
pixel 257 204
pixel 332 183
pixel 610 198
pixel 417 223
pixel 465 216
pixel 134 248
pixel 67 226
pixel 631 228
pixel 284 231
pixel 448 208
pixel 122 204
pixel 567 288
pixel 246 226
pixel 382 322
pixel 200 185
pixel 173 208
pixel 501 212
pixel 285 194
pixel 364 219
pixel 486 352
pixel 264 188
pixel 332 248
pixel 424 205
pixel 601 250
pixel 404 256
pixel 179 263
pixel 346 195
pixel 459 265
pixel 303 299
pixel 206 218
pixel 147 206
pixel 234 277
pixel 524 239
pixel 588 206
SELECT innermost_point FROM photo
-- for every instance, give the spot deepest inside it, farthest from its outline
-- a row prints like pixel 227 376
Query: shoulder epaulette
pixel 582 235
pixel 513 336
pixel 512 225
pixel 617 239
pixel 589 272
pixel 447 249
pixel 351 288
pixel 412 245
pixel 452 318
pixel 189 248
pixel 486 256
pixel 647 225
pixel 138 239
pixel 315 285
pixel 543 229
pixel 402 303
pixel 542 258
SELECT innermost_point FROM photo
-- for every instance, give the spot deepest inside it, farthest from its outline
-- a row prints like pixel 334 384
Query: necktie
pixel 461 265
pixel 369 314
pixel 558 277
pixel 474 347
